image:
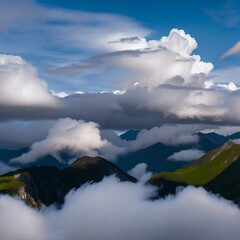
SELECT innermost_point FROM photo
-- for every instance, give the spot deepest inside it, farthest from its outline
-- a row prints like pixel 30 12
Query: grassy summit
pixel 10 183
pixel 202 171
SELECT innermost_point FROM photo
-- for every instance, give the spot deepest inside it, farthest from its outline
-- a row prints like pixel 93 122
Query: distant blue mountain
pixel 209 141
pixel 156 155
pixel 130 135
pixel 47 160
pixel 7 154
pixel 234 136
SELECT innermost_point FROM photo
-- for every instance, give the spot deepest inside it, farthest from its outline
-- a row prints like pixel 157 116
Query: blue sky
pixel 213 36
pixel 43 33
pixel 121 64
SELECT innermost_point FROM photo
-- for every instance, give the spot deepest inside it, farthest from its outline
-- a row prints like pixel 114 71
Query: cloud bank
pixel 114 210
pixel 173 86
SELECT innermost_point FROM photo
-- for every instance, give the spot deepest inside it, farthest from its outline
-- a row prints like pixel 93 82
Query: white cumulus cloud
pixel 20 85
pixel 77 137
pixel 165 61
pixel 230 86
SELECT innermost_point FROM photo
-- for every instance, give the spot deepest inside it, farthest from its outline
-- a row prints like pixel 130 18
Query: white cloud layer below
pixel 113 210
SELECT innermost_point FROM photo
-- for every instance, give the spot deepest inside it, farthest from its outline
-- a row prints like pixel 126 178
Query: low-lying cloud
pixel 120 210
pixel 186 155
pixel 77 137
pixel 140 172
pixel 168 135
pixel 80 138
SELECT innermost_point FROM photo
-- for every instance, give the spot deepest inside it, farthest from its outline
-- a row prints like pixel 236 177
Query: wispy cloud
pixel 61 33
pixel 227 15
pixel 234 50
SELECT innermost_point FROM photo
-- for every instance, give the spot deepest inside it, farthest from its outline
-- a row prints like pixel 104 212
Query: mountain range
pixel 47 181
pixel 218 171
pixel 156 156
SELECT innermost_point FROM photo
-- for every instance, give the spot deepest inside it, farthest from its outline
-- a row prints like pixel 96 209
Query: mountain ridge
pixel 218 171
pixel 46 185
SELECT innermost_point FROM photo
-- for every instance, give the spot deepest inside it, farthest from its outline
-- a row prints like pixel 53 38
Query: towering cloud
pixel 165 61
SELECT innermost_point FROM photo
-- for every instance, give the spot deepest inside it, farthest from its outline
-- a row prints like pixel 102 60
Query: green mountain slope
pixel 227 184
pixel 205 169
pixel 10 183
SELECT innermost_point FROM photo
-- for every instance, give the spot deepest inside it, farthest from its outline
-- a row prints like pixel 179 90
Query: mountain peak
pixel 46 185
pixel 228 144
pixel 85 161
pixel 130 135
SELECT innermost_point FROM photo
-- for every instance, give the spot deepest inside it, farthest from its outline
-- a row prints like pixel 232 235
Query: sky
pixel 210 22
pixel 49 34
pixel 74 73
pixel 169 67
